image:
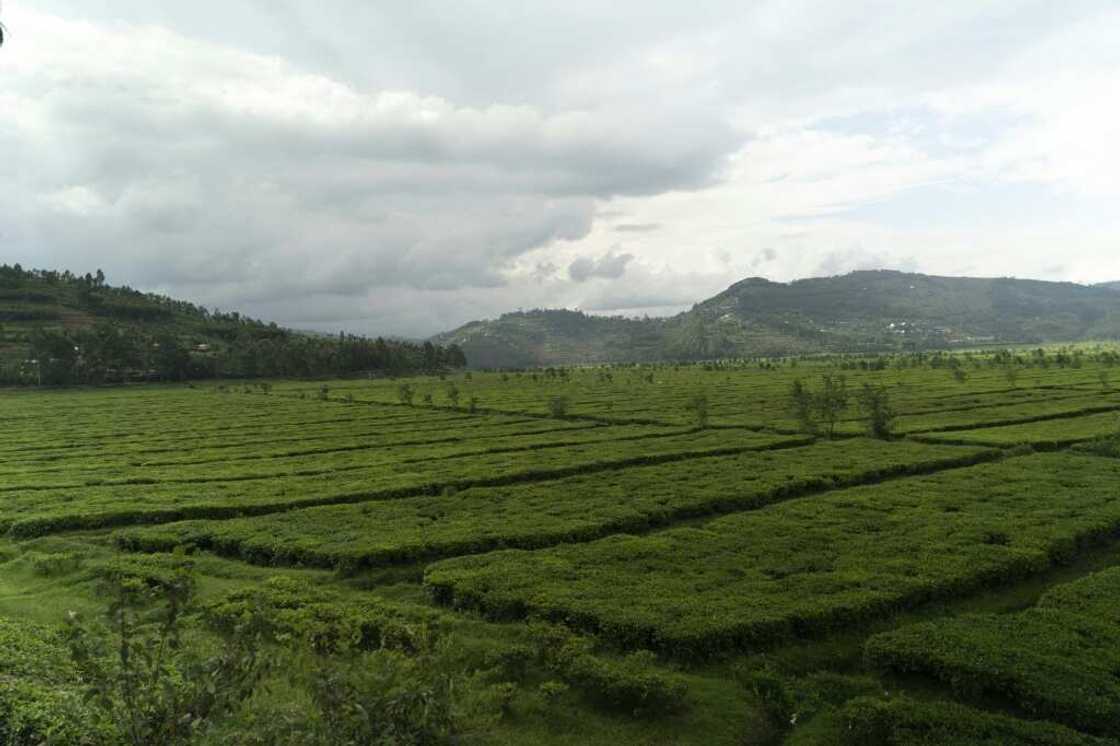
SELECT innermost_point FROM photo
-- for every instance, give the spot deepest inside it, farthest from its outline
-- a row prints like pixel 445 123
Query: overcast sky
pixel 403 166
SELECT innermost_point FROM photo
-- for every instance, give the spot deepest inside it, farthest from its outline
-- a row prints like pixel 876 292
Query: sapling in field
pixel 558 406
pixel 801 407
pixel 876 405
pixel 817 411
pixel 698 405
pixel 831 401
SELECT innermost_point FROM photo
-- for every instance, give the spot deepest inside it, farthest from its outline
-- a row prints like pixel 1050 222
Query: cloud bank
pixel 403 168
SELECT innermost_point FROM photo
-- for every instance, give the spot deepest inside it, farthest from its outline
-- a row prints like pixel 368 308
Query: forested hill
pixel 867 311
pixel 62 328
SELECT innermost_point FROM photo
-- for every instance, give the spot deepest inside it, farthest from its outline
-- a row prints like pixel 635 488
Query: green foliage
pixel 855 313
pixel 300 614
pixel 1046 434
pixel 1058 660
pixel 80 330
pixel 529 515
pixel 40 697
pixel 791 701
pixel 406 393
pixel 803 567
pixel 876 405
pixel 558 406
pixel 631 682
pixel 831 401
pixel 802 407
pixel 907 722
pixel 698 405
pixel 822 409
pixel 53 564
pixel 142 682
pixel 815 548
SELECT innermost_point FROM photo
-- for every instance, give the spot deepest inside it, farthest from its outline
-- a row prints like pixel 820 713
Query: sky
pixel 388 167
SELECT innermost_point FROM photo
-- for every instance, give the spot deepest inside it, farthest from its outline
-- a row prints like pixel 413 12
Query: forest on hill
pixel 861 312
pixel 62 328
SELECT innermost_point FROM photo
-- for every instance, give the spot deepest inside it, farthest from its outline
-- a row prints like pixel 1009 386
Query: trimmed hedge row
pixel 299 612
pixel 1051 434
pixel 535 515
pixel 803 567
pixel 907 722
pixel 165 503
pixel 1057 661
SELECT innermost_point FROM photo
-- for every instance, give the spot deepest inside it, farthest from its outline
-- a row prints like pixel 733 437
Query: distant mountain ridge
pixel 864 311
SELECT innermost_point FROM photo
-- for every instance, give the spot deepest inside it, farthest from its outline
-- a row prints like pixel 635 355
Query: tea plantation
pixel 914 549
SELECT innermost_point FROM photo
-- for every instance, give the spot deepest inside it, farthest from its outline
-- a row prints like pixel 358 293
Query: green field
pixel 585 555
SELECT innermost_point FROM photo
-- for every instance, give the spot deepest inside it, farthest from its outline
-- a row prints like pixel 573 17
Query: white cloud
pixel 401 168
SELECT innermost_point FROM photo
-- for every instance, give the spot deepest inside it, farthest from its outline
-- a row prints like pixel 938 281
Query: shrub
pixel 142 682
pixel 558 406
pixel 875 402
pixel 54 563
pixel 698 405
pixel 631 682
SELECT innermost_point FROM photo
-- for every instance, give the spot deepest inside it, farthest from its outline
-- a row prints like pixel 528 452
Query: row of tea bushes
pixel 1058 660
pixel 540 514
pixel 803 567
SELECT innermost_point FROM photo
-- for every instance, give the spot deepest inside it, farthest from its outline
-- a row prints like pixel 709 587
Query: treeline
pixel 137 336
pixel 114 353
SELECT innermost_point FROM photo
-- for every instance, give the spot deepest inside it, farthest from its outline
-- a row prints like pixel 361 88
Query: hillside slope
pixel 859 312
pixel 57 328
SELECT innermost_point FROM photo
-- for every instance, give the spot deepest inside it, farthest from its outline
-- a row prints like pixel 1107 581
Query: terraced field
pixel 611 562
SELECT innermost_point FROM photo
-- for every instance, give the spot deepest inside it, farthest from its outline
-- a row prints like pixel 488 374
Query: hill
pixel 58 328
pixel 867 311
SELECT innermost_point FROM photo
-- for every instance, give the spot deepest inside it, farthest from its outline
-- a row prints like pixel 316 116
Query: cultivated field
pixel 647 555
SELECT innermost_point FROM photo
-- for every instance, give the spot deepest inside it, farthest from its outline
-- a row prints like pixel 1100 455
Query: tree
pixel 823 408
pixel 831 401
pixel 875 402
pixel 170 359
pixel 558 406
pixel 698 405
pixel 802 407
